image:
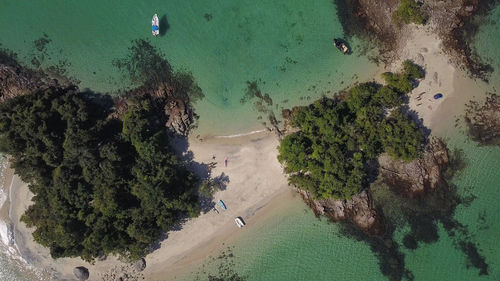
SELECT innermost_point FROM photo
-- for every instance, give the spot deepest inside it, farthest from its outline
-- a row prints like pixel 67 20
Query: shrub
pixel 409 12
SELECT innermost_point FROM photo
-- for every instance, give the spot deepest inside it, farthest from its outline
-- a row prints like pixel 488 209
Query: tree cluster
pixel 409 11
pixel 101 185
pixel 337 138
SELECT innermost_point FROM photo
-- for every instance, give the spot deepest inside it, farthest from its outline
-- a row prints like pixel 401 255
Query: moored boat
pixel 341 45
pixel 155 25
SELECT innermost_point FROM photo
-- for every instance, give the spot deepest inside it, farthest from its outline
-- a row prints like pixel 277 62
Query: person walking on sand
pixel 225 161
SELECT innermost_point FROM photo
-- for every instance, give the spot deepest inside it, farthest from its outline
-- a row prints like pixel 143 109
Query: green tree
pixel 328 156
pixel 101 185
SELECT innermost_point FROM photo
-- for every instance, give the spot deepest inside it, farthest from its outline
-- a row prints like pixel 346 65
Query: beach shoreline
pixel 255 179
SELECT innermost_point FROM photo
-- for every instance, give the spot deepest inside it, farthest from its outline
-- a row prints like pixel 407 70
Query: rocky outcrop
pixel 81 273
pixel 178 114
pixel 483 121
pixel 422 175
pixel 359 210
pixel 14 81
pixel 179 117
pixel 451 20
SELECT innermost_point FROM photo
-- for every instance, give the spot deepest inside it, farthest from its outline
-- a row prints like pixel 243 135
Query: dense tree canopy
pixel 329 153
pixel 101 185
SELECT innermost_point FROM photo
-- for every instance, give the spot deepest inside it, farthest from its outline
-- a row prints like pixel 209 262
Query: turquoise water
pixel 284 45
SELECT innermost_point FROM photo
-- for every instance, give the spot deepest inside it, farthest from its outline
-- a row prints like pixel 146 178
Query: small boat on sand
pixel 222 205
pixel 341 45
pixel 156 25
pixel 239 222
pixel 438 96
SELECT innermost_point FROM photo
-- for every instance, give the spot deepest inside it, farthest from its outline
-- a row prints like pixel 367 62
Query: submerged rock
pixel 359 210
pixel 415 178
pixel 82 273
pixel 483 122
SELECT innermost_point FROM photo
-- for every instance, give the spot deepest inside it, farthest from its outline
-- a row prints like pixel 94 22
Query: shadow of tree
pixel 222 181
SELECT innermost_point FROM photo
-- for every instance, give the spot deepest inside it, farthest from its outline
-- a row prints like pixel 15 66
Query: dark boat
pixel 340 44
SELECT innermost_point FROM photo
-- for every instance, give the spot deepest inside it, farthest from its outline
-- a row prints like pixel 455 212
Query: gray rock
pixel 140 265
pixel 359 210
pixel 422 175
pixel 81 273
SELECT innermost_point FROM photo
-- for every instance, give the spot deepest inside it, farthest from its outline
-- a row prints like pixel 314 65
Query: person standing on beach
pixel 225 161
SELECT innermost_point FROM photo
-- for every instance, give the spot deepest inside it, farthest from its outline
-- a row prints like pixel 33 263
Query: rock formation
pixel 409 179
pixel 422 175
pixel 359 210
pixel 179 117
pixel 483 122
pixel 15 81
pixel 81 273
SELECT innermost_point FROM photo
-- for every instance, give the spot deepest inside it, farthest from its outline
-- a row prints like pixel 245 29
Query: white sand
pixel 424 48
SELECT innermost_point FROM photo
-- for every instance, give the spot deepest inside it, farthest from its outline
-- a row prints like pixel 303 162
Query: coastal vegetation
pixel 338 139
pixel 409 11
pixel 101 184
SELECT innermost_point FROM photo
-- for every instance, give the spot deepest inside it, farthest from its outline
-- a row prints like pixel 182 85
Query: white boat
pixel 156 25
pixel 239 222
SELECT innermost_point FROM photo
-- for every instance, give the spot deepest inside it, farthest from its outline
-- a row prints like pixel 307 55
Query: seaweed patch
pixel 220 268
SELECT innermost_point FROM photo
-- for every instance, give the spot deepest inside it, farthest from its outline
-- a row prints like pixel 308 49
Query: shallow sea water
pixel 284 45
pixel 226 43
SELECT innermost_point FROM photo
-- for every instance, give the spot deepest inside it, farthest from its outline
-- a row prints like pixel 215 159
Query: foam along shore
pixel 255 178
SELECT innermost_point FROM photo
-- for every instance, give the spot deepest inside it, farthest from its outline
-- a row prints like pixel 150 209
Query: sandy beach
pixel 255 180
pixel 424 47
pixel 254 177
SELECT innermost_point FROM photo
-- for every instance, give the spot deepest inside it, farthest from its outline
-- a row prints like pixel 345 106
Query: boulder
pixel 469 8
pixel 81 273
pixel 140 265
